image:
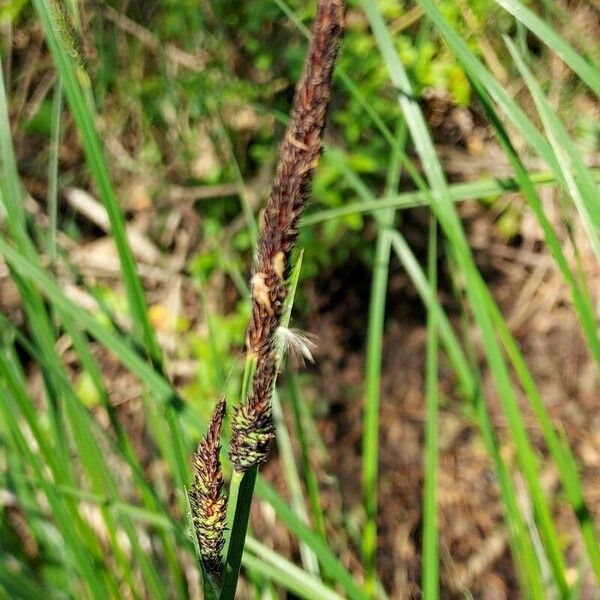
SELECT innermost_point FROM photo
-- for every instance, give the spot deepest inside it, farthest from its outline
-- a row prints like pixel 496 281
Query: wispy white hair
pixel 298 344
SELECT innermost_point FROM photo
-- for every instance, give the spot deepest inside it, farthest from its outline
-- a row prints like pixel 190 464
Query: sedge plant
pixel 252 425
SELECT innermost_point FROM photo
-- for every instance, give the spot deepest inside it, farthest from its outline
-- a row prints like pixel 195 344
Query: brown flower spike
pixel 252 423
pixel 207 504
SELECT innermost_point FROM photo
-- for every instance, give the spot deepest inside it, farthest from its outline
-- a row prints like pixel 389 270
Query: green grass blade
pixel 239 501
pixel 375 327
pixel 561 452
pixel 587 71
pixel 84 119
pixel 479 302
pixel 292 477
pixel 57 105
pixel 241 491
pixel 580 183
pixel 310 477
pixel 430 577
pixel 370 444
pixel 458 192
pixel 284 572
pixel 12 197
pixel 522 549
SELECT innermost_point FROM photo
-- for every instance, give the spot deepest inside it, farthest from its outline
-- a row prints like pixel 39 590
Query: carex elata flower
pixel 252 429
pixel 252 422
pixel 207 503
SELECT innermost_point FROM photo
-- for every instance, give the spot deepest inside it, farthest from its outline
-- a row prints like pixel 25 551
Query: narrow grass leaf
pixel 580 183
pixel 372 393
pixel 96 163
pixel 448 218
pixel 308 473
pixel 561 452
pixel 52 198
pixel 522 548
pixel 587 71
pixel 430 578
pixel 285 573
pixel 458 192
pixel 292 477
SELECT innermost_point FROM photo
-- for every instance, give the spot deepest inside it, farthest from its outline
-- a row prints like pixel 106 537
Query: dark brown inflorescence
pixel 252 424
pixel 208 505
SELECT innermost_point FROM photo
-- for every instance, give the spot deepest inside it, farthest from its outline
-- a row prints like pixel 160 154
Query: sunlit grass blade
pixel 580 183
pixel 57 105
pixel 39 320
pixel 102 482
pixel 476 71
pixel 282 571
pixel 459 192
pixel 586 70
pixel 446 214
pixel 84 119
pixel 523 552
pixel 560 451
pixel 375 330
pixel 286 452
pixel 430 577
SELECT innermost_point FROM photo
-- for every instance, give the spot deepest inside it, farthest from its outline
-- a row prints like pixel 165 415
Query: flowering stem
pixel 240 501
pixel 252 420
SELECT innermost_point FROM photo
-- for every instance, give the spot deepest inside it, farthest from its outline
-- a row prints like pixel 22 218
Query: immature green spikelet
pixel 252 423
pixel 209 512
